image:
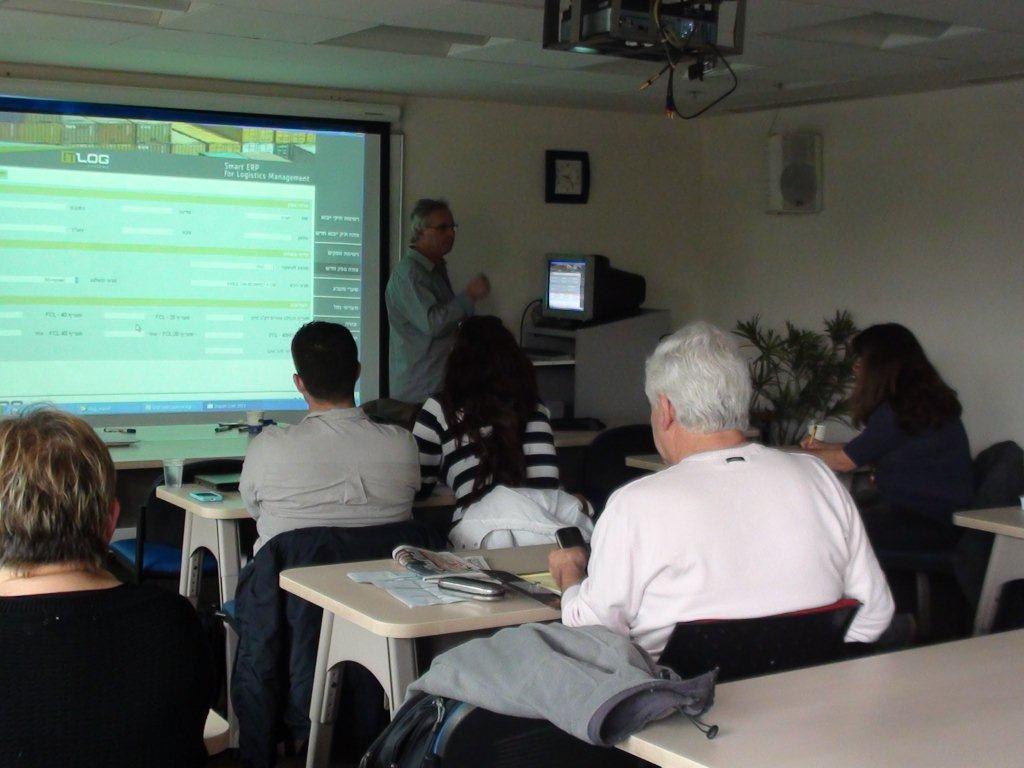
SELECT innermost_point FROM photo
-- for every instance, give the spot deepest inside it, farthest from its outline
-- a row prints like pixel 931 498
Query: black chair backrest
pixel 279 634
pixel 604 463
pixel 485 739
pixel 998 482
pixel 747 647
pixel 999 475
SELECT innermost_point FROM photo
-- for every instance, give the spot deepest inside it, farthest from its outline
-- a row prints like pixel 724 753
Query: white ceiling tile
pixel 590 81
pixel 20 24
pixel 270 41
pixel 777 15
pixel 334 65
pixel 263 25
pixel 379 11
pixel 534 4
pixel 844 67
pixel 769 50
pixel 87 10
pixel 995 15
pixel 202 43
pixel 494 20
pixel 455 71
pixel 638 69
pixel 414 41
pixel 522 53
pixel 987 46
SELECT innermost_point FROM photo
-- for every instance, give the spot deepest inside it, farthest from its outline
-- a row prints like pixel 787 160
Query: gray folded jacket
pixel 588 681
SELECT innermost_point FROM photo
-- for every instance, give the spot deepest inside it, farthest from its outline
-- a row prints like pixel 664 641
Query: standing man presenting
pixel 423 310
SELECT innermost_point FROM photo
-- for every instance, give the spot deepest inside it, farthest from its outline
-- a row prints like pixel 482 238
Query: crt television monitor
pixel 569 286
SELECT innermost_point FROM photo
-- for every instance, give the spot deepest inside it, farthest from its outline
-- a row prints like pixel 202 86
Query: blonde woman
pixel 93 672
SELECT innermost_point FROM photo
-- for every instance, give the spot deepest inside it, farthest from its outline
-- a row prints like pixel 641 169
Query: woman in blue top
pixel 914 438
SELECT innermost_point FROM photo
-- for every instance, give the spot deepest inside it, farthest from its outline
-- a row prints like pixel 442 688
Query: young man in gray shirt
pixel 335 467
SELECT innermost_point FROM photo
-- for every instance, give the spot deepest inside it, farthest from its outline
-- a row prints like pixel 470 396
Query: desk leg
pixel 322 702
pixel 230 652
pixel 229 558
pixel 391 661
pixel 1006 563
pixel 402 669
pixel 191 562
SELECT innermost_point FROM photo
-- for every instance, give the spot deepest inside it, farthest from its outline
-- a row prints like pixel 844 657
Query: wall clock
pixel 567 176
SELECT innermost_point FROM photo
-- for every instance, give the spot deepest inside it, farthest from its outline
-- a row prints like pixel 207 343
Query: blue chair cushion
pixel 158 559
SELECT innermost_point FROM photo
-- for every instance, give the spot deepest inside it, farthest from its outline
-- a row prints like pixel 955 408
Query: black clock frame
pixel 551 156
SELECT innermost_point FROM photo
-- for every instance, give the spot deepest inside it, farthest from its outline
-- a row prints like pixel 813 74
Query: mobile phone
pixel 205 496
pixel 569 537
pixel 474 588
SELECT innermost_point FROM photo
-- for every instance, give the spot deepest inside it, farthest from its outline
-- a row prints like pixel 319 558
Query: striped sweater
pixel 455 464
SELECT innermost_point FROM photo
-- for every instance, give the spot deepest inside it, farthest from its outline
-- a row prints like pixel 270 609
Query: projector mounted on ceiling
pixel 638 29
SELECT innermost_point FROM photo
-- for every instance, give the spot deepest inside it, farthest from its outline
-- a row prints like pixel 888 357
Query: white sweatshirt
pixel 729 534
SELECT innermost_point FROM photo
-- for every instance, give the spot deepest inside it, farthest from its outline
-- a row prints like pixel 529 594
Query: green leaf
pixel 800 375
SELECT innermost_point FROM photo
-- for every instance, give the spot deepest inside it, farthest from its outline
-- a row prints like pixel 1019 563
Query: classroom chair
pixel 742 648
pixel 604 462
pixel 279 633
pixel 155 550
pixel 478 738
pixel 998 482
pixel 215 734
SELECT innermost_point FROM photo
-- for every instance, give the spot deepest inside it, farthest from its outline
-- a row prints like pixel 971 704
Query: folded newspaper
pixel 431 566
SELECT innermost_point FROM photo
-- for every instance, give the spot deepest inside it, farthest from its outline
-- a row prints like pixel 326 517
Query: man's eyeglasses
pixel 443 227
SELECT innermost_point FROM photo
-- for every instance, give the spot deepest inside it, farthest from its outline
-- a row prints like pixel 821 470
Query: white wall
pixel 487 159
pixel 922 222
pixel 923 225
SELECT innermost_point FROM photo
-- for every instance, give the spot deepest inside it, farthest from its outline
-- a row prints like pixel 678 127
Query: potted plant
pixel 800 376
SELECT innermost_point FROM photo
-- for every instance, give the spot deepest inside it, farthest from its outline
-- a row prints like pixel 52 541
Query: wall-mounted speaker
pixel 794 173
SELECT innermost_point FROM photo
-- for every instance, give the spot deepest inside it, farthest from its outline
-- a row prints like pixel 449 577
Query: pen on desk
pixel 122 430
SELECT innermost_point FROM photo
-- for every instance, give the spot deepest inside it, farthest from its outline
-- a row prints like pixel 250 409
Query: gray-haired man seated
pixel 731 529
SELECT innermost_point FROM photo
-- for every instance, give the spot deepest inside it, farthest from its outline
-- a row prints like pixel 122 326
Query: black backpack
pixel 408 741
pixel 435 732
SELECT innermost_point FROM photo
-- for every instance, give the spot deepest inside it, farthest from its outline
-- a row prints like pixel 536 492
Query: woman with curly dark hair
pixel 912 435
pixel 487 425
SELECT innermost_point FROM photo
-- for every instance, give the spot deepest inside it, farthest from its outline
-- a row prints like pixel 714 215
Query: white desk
pixel 216 734
pixel 944 706
pixel 191 442
pixel 194 442
pixel 213 526
pixel 364 624
pixel 649 462
pixel 574 438
pixel 1006 562
pixel 652 462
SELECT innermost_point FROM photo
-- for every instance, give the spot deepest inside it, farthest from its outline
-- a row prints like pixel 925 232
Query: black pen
pixel 122 430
